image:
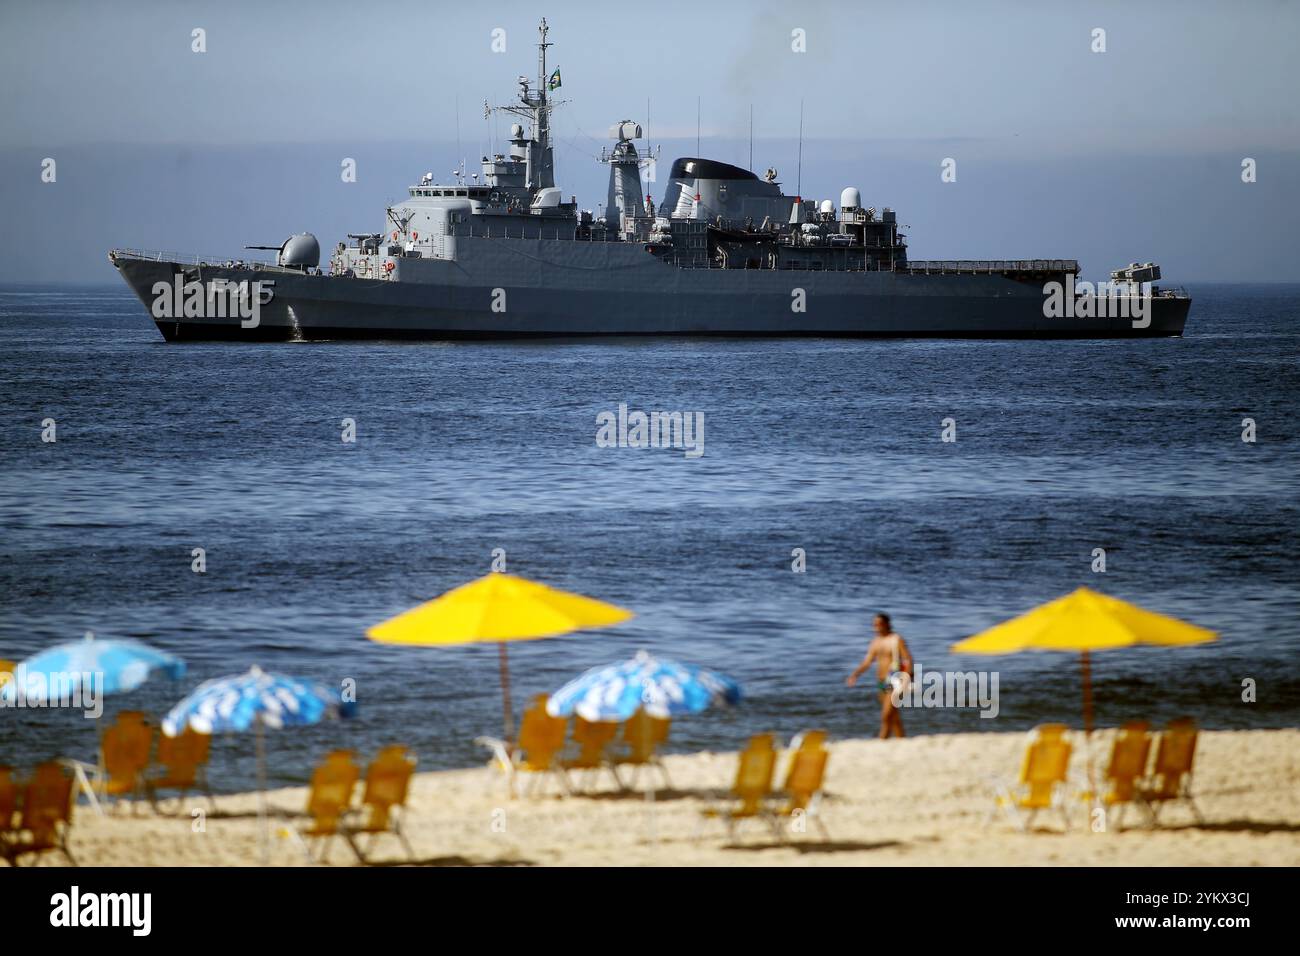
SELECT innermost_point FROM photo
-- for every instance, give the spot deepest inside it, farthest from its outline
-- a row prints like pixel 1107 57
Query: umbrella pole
pixel 504 664
pixel 261 790
pixel 1086 667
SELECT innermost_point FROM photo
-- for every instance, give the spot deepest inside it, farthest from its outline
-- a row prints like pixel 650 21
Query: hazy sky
pixel 1154 128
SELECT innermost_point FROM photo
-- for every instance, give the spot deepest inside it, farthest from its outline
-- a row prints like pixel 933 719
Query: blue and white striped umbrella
pixel 256 698
pixel 664 688
pixel 114 666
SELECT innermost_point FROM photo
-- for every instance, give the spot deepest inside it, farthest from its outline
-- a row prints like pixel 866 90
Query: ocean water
pixel 829 446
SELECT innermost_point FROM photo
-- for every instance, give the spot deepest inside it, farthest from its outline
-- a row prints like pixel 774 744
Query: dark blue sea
pixel 829 446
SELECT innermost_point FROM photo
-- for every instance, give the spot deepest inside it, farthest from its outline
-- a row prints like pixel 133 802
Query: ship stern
pixel 1169 314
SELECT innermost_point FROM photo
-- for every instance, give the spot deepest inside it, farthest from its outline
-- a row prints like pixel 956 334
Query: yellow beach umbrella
pixel 1083 621
pixel 498 607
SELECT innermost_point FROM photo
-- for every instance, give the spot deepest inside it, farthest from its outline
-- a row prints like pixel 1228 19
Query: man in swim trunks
pixel 891 655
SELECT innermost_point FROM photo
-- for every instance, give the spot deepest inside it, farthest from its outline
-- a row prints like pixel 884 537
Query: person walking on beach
pixel 893 664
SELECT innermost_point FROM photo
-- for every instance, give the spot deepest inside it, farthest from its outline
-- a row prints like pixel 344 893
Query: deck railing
pixel 158 255
pixel 990 265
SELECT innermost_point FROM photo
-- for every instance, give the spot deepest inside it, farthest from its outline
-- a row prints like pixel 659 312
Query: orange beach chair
pixel 181 765
pixel 537 752
pixel 752 786
pixel 803 783
pixel 1171 774
pixel 388 780
pixel 643 735
pixel 44 819
pixel 1041 783
pixel 328 800
pixel 1126 768
pixel 593 739
pixel 124 750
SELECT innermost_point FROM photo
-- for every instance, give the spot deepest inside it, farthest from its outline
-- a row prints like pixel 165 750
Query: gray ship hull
pixel 544 288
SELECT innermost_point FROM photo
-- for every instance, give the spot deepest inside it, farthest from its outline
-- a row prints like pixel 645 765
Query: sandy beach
pixel 919 801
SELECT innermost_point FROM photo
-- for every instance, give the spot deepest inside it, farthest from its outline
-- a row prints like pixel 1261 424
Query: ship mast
pixel 544 171
pixel 535 106
pixel 542 30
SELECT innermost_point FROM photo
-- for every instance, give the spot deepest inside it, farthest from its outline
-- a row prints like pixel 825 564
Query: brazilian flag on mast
pixel 554 82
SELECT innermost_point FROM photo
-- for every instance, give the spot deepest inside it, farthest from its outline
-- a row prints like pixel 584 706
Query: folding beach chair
pixel 593 739
pixel 328 800
pixel 1041 783
pixel 537 752
pixel 803 782
pixel 388 780
pixel 44 818
pixel 643 736
pixel 751 788
pixel 181 765
pixel 1171 774
pixel 1126 768
pixel 124 749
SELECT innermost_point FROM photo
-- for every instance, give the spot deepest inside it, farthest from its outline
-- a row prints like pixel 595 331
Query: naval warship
pixel 725 252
